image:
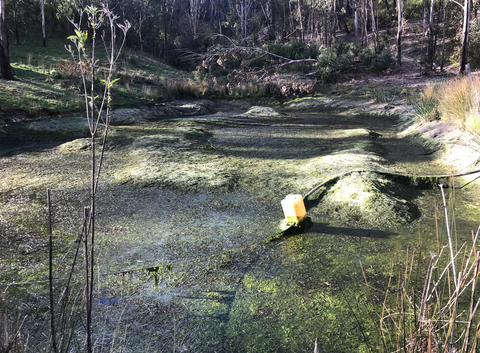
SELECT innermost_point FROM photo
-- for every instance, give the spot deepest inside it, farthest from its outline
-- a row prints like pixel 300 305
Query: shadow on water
pixel 307 226
pixel 324 228
pixel 315 135
pixel 17 138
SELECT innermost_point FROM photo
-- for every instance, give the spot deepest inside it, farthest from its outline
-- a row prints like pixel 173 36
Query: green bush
pixel 366 56
pixel 383 41
pixel 334 60
pixel 383 60
pixel 294 50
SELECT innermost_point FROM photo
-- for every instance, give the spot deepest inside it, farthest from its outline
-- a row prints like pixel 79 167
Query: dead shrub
pixel 68 68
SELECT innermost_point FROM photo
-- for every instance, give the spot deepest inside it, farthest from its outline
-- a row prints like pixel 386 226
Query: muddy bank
pixel 186 205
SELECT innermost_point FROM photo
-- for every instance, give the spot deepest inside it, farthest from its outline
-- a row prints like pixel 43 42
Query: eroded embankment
pixel 194 199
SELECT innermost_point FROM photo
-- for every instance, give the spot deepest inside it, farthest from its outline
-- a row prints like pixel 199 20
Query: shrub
pixel 366 56
pixel 294 50
pixel 332 61
pixel 68 68
pixel 383 60
pixel 456 101
pixel 426 108
pixel 384 42
pixel 459 102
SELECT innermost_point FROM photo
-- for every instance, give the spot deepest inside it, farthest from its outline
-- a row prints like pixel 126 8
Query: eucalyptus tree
pixel 218 10
pixel 16 9
pixel 326 10
pixel 373 24
pixel 42 5
pixel 430 34
pixel 465 36
pixel 6 71
pixel 300 19
pixel 243 8
pixel 197 11
pixel 139 14
pixel 268 13
pixel 399 31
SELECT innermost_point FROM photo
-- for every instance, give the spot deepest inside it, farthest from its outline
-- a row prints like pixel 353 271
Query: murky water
pixel 186 207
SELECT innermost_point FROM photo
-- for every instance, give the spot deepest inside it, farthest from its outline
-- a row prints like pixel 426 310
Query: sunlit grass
pixel 456 101
pixel 48 80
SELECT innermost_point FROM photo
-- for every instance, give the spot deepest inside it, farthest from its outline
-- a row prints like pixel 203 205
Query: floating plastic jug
pixel 294 208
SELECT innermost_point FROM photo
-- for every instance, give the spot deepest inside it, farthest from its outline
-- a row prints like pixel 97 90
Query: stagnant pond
pixel 188 211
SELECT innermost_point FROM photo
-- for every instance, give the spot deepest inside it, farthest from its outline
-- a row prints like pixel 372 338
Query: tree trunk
pixel 341 19
pixel 388 9
pixel 466 33
pixel 302 34
pixel 164 10
pixel 356 26
pixel 5 68
pixel 443 35
pixel 15 21
pixel 325 28
pixel 430 48
pixel 399 33
pixel 43 23
pixel 334 24
pixel 365 20
pixel 374 27
pixel 268 14
pixel 292 22
pixel 140 38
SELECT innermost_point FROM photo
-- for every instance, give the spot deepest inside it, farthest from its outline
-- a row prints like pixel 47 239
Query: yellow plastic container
pixel 294 208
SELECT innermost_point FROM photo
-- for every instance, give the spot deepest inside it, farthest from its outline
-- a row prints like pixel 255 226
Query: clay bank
pixel 189 211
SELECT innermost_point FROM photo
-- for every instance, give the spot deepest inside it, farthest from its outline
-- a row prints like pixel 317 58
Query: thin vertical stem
pixel 449 237
pixel 454 316
pixel 88 311
pixel 50 273
pixel 89 274
pixel 436 229
pixel 472 301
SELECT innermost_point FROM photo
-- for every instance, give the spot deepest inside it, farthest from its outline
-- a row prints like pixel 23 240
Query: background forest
pixel 215 37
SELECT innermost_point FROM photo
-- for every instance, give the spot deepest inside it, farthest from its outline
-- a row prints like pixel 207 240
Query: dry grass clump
pixel 150 92
pixel 246 89
pixel 426 109
pixel 456 101
pixel 68 68
pixel 182 88
pixel 210 88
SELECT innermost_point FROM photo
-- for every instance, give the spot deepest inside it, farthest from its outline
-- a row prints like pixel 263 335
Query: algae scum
pixel 188 211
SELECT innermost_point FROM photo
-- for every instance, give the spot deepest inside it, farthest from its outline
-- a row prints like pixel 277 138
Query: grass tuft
pixel 426 108
pixel 456 101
